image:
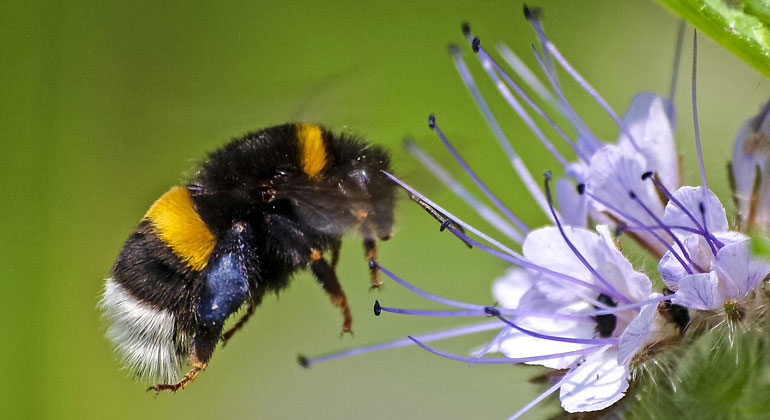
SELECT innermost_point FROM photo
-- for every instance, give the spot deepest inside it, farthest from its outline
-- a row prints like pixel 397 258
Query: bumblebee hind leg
pixel 197 367
pixel 328 279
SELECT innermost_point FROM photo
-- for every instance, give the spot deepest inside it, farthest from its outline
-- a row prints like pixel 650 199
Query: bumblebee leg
pixel 335 249
pixel 238 325
pixel 197 367
pixel 328 279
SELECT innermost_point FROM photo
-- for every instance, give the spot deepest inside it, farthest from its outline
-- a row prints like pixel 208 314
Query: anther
pixel 527 12
pixel 581 188
pixel 466 28
pixel 303 361
pixel 454 50
pixel 475 44
pixel 547 175
pixel 372 264
pixel 491 311
pixel 701 208
pixel 646 175
pixel 632 195
pixel 432 121
pixel 620 228
pixel 377 308
pixel 445 224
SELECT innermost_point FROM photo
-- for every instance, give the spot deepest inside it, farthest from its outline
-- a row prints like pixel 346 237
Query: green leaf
pixel 741 26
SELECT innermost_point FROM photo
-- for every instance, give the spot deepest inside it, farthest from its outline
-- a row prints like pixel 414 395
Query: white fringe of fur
pixel 143 336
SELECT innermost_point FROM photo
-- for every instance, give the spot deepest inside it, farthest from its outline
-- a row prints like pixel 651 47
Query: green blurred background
pixel 105 105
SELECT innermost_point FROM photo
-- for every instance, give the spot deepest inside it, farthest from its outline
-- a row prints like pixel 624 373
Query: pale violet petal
pixel 596 384
pixel 612 176
pixel 699 291
pixel 737 271
pixel 509 288
pixel 546 247
pixel 744 164
pixel 690 198
pixel 671 270
pixel 636 332
pixel 572 206
pixel 618 271
pixel 516 344
pixel 650 125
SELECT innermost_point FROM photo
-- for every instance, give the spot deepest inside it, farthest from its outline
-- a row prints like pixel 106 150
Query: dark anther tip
pixel 492 311
pixel 372 264
pixel 453 49
pixel 632 195
pixel 646 175
pixel 377 308
pixel 432 121
pixel 547 175
pixel 475 44
pixel 445 224
pixel 527 12
pixel 581 188
pixel 619 229
pixel 466 28
pixel 302 360
pixel 701 207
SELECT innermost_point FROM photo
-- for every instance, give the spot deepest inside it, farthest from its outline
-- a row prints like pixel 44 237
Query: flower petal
pixel 596 384
pixel 636 332
pixel 690 198
pixel 613 175
pixel 509 288
pixel 699 291
pixel 736 269
pixel 617 270
pixel 649 121
pixel 572 206
pixel 671 270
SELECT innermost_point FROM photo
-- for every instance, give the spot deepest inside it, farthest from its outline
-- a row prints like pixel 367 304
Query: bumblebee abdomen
pixel 148 298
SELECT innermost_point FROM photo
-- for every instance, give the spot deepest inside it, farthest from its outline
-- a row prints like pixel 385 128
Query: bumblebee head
pixel 366 176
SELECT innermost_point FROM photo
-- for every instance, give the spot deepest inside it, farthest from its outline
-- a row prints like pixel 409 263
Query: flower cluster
pixel 573 302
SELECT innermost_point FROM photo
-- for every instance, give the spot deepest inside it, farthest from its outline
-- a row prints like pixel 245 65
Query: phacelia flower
pixel 573 302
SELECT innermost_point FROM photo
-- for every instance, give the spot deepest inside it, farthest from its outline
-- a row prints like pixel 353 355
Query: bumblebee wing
pixel 327 209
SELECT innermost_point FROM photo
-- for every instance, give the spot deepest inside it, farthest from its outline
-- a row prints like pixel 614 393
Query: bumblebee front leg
pixel 328 279
pixel 238 325
pixel 370 250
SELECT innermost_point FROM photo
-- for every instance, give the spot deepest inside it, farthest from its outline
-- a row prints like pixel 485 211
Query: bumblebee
pixel 258 210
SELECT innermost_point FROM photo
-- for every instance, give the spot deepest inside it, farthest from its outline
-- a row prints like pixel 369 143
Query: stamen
pixel 662 188
pixel 492 197
pixel 493 69
pixel 457 220
pixel 490 344
pixel 679 243
pixel 695 113
pixel 570 112
pixel 518 66
pixel 582 190
pixel 378 309
pixel 702 210
pixel 591 341
pixel 527 264
pixel 446 178
pixel 507 254
pixel 614 292
pixel 495 73
pixel 518 164
pixel 426 338
pixel 550 47
pixel 504 360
